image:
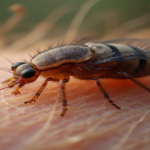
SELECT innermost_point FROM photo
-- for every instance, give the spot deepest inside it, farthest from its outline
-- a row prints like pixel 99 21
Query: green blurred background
pixel 38 9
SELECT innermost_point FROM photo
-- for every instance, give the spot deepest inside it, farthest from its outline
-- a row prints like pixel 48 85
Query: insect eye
pixel 28 73
pixel 15 65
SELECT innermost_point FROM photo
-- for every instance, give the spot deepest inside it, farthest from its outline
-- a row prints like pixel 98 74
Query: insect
pixel 89 61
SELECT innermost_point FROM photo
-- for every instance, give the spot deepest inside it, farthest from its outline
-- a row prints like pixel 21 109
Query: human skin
pixel 90 123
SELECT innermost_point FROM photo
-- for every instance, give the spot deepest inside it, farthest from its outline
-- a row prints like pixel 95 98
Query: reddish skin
pixel 90 123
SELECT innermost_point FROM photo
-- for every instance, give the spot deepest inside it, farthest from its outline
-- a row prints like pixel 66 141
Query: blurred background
pixel 25 25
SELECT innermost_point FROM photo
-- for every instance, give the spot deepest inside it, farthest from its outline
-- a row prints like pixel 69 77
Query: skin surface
pixel 90 123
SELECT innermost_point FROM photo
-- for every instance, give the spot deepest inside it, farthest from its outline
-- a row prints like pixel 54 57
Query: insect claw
pixel 64 111
pixel 118 108
pixel 29 101
pixel 15 93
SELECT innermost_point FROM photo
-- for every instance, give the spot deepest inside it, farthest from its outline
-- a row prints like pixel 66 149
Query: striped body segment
pixel 113 58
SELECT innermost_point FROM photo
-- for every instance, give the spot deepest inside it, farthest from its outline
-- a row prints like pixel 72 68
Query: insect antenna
pixel 18 81
pixel 6 68
pixel 7 71
pixel 7 59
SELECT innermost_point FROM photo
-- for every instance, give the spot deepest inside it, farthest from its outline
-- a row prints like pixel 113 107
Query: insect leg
pixel 16 91
pixel 105 93
pixel 64 100
pixel 135 81
pixel 40 90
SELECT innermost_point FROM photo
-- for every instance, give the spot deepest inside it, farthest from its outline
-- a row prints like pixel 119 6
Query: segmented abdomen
pixel 112 58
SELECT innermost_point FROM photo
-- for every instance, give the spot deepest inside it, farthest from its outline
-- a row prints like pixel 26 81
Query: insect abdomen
pixel 113 58
pixel 121 58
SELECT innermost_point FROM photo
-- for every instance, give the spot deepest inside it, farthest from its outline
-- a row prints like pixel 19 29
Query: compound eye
pixel 15 65
pixel 28 73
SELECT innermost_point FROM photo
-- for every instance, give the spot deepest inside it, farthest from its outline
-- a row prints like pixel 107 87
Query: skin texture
pixel 90 123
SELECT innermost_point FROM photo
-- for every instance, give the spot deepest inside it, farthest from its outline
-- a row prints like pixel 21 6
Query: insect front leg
pixel 16 91
pixel 40 90
pixel 134 80
pixel 63 94
pixel 105 93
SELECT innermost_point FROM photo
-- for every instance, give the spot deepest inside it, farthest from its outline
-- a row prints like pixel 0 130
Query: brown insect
pixel 91 61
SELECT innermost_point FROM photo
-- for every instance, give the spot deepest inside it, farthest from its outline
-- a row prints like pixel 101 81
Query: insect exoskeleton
pixel 90 61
